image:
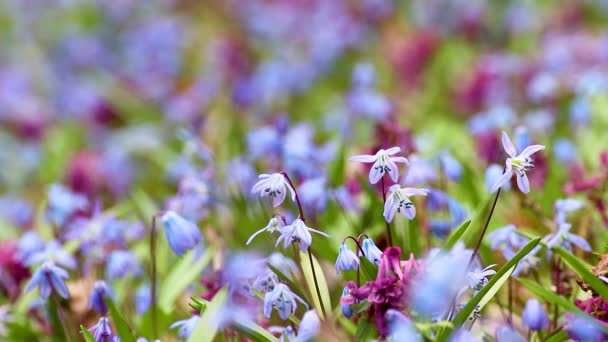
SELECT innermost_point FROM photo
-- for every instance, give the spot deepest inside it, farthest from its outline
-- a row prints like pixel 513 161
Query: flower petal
pixel 508 145
pixel 410 212
pixel 254 235
pixel 392 150
pixel 414 191
pixel 389 208
pixel 502 180
pixel 364 158
pixel 523 183
pixel 579 242
pixel 399 160
pixel 375 174
pixel 528 151
pixel 393 171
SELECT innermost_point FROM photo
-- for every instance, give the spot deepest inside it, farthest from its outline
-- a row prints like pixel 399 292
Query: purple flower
pixel 55 252
pixel 519 164
pixel 298 232
pixel 98 295
pixel 565 239
pixel 182 235
pixel 142 298
pixel 48 278
pixel 477 279
pixel 121 263
pixel 274 186
pixel 507 334
pixel 450 166
pixel 347 259
pixel 383 163
pixel 584 328
pixel 274 225
pixel 506 238
pixel 313 194
pixel 283 300
pixel 398 201
pixel 29 245
pixel 534 315
pixel 62 204
pixel 310 327
pixel 186 326
pixel 102 331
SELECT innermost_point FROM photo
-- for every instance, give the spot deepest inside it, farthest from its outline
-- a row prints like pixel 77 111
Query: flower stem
pixel 297 197
pixel 388 225
pixel 153 276
pixel 62 319
pixel 510 285
pixel 485 228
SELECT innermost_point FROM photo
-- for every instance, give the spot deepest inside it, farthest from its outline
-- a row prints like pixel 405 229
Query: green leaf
pixel 547 295
pixel 456 234
pixel 583 271
pixel 493 285
pixel 366 331
pixel 254 332
pixel 492 292
pixel 295 288
pixel 560 336
pixel 88 337
pixel 207 326
pixel 183 274
pixel 308 276
pixel 125 333
pixel 368 269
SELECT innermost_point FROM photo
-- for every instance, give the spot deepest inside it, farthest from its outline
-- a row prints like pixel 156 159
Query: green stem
pixel 485 228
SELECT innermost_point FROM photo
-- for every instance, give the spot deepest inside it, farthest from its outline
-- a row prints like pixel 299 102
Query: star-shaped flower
pixel 398 200
pixel 275 186
pixel 383 163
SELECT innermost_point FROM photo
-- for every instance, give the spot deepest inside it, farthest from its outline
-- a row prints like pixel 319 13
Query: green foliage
pixel 583 271
pixel 207 326
pixel 125 333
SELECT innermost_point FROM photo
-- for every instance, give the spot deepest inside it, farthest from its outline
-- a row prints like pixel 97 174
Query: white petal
pixel 502 180
pixel 579 242
pixel 277 200
pixel 410 212
pixel 291 190
pixel 318 232
pixel 528 151
pixel 508 145
pixel 375 174
pixel 523 183
pixel 414 191
pixel 259 186
pixel 389 208
pixel 394 172
pixel 364 158
pixel 392 150
pixel 399 160
pixel 254 235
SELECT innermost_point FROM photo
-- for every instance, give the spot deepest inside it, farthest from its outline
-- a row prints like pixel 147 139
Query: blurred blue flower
pixel 48 278
pixel 282 263
pixel 565 151
pixel 450 166
pixel 565 239
pixel 17 211
pixel 346 309
pixel 419 171
pixel 580 111
pixel 62 204
pixel 182 235
pixel 347 259
pixel 542 86
pixel 29 245
pixel 313 194
pixel 309 328
pixel 400 327
pixel 463 335
pixel 584 328
pixel 142 298
pixel 54 252
pixel 186 326
pixel 263 141
pixel 283 300
pixel 534 315
pixel 121 263
pixel 493 174
pixel 565 206
pixel 97 300
pixel 506 334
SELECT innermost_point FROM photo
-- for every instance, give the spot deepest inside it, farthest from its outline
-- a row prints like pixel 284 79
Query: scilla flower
pixel 102 331
pixel 186 326
pixel 347 259
pixel 477 279
pixel 383 163
pixel 309 327
pixel 48 278
pixel 346 308
pixel 519 164
pixel 275 186
pixel 297 232
pixel 182 235
pixel 565 239
pixel 97 299
pixel 372 252
pixel 398 200
pixel 534 315
pixel 274 225
pixel 283 300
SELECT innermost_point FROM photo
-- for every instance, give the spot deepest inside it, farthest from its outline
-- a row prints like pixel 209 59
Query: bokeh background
pixel 144 105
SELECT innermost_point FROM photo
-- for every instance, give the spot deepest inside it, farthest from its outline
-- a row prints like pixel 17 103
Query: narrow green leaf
pixel 548 295
pixel 125 333
pixel 368 269
pixel 583 271
pixel 465 312
pixel 306 267
pixel 560 336
pixel 366 331
pixel 207 326
pixel 183 274
pixel 492 292
pixel 254 332
pixel 88 337
pixel 455 235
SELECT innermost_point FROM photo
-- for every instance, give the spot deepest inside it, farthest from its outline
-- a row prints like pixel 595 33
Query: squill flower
pixel 565 239
pixel 534 315
pixel 398 201
pixel 102 331
pixel 519 164
pixel 372 252
pixel 298 232
pixel 274 225
pixel 182 235
pixel 186 326
pixel 400 327
pixel 98 295
pixel 55 252
pixel 346 308
pixel 347 259
pixel 477 279
pixel 283 300
pixel 48 278
pixel 275 186
pixel 309 327
pixel 584 328
pixel 383 163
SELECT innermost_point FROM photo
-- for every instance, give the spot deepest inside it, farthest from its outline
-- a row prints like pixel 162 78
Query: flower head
pixel 298 232
pixel 477 279
pixel 518 164
pixel 584 328
pixel 122 262
pixel 98 295
pixel 371 251
pixel 283 300
pixel 274 225
pixel 182 235
pixel 347 259
pixel 383 163
pixel 186 326
pixel 398 201
pixel 102 331
pixel 565 239
pixel 309 327
pixel 48 278
pixel 534 315
pixel 275 186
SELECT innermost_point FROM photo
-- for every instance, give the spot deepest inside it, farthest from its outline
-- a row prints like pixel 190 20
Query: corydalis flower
pixel 275 186
pixel 48 278
pixel 398 201
pixel 347 259
pixel 182 235
pixel 383 163
pixel 519 164
pixel 275 224
pixel 297 232
pixel 283 300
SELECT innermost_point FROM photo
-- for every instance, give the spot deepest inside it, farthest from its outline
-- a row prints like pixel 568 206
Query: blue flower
pixel 347 259
pixel 493 174
pixel 450 166
pixel 142 298
pixel 55 252
pixel 507 334
pixel 102 331
pixel 398 201
pixel 401 328
pixel 182 235
pixel 186 326
pixel 29 245
pixel 371 251
pixel 463 335
pixel 62 204
pixel 310 327
pixel 274 186
pixel 534 315
pixel 98 295
pixel 565 239
pixel 48 278
pixel 274 225
pixel 347 310
pixel 384 163
pixel 121 263
pixel 298 232
pixel 283 300
pixel 584 328
pixel 565 151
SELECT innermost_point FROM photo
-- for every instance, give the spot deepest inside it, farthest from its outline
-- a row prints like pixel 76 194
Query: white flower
pixel 383 163
pixel 477 279
pixel 518 163
pixel 398 200
pixel 297 231
pixel 274 185
pixel 274 225
pixel 347 259
pixel 283 300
